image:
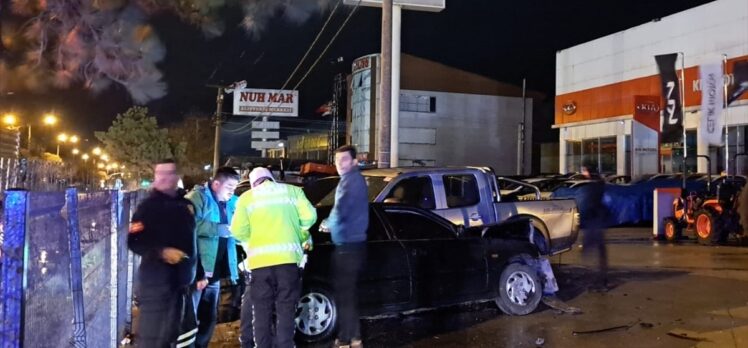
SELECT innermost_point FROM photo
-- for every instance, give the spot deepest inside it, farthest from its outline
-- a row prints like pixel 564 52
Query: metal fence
pixel 66 273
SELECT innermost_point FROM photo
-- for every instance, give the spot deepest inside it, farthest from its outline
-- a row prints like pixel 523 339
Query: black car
pixel 417 259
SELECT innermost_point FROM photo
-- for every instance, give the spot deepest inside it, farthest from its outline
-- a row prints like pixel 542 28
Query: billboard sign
pixel 266 102
pixel 413 5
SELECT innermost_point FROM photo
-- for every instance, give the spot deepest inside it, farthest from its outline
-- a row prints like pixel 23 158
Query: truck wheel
pixel 673 230
pixel 316 315
pixel 706 226
pixel 520 289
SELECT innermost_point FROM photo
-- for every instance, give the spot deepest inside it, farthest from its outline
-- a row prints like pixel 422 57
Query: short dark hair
pixel 166 161
pixel 350 149
pixel 226 173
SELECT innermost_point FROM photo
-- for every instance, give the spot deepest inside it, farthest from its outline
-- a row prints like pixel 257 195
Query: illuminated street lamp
pixel 97 151
pixel 61 139
pixel 10 120
pixel 85 157
pixel 76 152
pixel 50 119
pixel 74 139
pixel 100 166
pixel 105 157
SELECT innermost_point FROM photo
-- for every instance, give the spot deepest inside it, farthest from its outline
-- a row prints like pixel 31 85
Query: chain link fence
pixel 66 274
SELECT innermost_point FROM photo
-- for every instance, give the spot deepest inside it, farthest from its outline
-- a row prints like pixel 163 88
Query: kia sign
pixel 414 5
pixel 266 102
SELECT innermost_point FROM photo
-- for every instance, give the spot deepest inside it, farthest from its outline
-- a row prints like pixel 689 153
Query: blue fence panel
pixel 12 270
pixel 49 307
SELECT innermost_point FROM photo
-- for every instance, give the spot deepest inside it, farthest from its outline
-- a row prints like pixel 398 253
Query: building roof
pixel 426 75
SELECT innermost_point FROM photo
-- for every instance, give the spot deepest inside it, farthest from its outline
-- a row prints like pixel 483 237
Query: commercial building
pixel 448 117
pixel 608 93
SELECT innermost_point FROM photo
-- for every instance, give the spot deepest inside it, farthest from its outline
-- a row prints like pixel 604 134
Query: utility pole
pixel 334 138
pixel 385 96
pixel 217 140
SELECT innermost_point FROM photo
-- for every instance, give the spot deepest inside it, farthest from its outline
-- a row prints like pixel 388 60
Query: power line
pixel 301 62
pixel 353 11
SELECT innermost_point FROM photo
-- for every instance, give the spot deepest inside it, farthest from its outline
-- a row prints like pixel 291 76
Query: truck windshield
pixel 375 184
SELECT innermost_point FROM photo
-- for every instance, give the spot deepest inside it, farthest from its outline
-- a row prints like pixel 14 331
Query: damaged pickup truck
pixel 468 196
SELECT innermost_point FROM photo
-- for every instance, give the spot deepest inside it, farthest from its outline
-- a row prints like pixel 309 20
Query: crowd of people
pixel 188 244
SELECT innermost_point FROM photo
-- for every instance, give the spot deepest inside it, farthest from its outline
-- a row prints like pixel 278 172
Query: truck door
pixel 467 199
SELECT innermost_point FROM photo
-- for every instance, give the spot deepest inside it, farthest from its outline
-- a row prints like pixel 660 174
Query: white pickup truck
pixel 468 196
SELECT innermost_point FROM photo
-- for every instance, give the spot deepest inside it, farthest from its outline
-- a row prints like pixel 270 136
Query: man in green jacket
pixel 214 205
pixel 272 222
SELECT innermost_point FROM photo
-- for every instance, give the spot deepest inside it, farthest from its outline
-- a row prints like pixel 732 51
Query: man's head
pixel 588 170
pixel 224 183
pixel 345 159
pixel 165 176
pixel 259 175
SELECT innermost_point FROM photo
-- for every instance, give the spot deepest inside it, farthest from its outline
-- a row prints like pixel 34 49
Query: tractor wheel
pixel 673 229
pixel 707 227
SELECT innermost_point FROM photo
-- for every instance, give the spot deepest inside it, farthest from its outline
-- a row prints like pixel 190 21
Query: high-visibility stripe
pixel 186 343
pixel 188 334
pixel 275 249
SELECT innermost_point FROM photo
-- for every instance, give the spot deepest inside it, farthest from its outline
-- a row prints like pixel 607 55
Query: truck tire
pixel 520 289
pixel 706 227
pixel 673 229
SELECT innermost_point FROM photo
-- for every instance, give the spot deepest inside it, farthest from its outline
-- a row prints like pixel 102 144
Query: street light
pixel 74 139
pixel 50 119
pixel 100 166
pixel 61 139
pixel 10 120
pixel 85 157
pixel 76 151
pixel 105 157
pixel 97 151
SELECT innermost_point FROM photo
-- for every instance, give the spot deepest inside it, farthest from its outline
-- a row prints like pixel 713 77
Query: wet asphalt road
pixel 663 295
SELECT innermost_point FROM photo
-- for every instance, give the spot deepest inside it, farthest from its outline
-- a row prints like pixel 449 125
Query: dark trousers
pixel 348 259
pixel 275 289
pixel 205 303
pixel 594 246
pixel 166 317
pixel 247 332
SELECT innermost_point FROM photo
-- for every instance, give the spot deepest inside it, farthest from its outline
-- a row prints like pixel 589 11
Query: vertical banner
pixel 712 85
pixel 672 125
pixel 740 71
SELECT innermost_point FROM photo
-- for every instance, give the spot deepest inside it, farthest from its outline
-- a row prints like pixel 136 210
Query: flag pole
pixel 683 115
pixel 727 124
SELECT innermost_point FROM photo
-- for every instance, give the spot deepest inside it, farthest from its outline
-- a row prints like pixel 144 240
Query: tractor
pixel 711 217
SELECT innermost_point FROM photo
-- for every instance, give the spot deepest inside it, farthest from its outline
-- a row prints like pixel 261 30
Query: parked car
pixel 416 260
pixel 470 196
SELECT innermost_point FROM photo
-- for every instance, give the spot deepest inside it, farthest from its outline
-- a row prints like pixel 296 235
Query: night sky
pixel 504 40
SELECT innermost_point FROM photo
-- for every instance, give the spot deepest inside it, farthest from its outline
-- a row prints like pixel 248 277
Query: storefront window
pixel 608 155
pixel 573 156
pixel 737 146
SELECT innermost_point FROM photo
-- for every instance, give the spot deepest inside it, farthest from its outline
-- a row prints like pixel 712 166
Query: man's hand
pixel 307 246
pixel 172 256
pixel 323 227
pixel 202 284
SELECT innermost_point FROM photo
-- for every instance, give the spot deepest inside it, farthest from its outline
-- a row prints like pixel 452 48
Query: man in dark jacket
pixel 593 215
pixel 348 223
pixel 162 232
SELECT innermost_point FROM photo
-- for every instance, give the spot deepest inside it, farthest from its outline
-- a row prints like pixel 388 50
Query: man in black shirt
pixel 162 232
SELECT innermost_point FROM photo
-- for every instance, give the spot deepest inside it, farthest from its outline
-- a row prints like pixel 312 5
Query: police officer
pixel 214 205
pixel 272 221
pixel 162 232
